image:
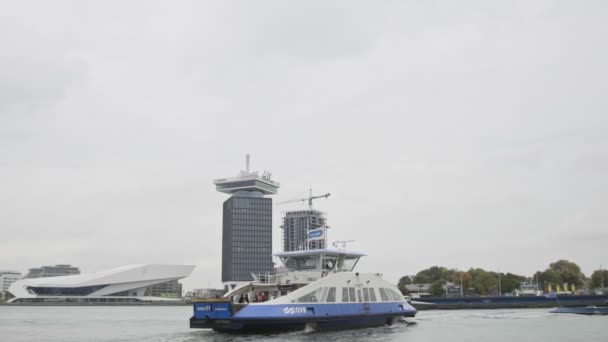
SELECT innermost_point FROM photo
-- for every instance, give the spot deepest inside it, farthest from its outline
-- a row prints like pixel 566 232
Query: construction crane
pixel 309 199
pixel 342 243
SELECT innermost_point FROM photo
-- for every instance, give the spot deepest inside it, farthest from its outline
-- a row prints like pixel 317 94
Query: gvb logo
pixel 315 234
pixel 294 310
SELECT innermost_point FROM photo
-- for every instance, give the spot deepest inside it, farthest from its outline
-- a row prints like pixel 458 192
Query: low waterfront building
pixel 127 284
pixel 168 289
pixel 7 278
pixel 205 293
pixel 52 271
pixel 418 290
pixel 452 290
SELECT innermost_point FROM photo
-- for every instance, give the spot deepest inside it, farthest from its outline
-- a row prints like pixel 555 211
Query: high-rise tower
pixel 302 228
pixel 296 227
pixel 247 225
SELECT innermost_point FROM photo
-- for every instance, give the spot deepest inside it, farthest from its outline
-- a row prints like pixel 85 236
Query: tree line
pixel 484 282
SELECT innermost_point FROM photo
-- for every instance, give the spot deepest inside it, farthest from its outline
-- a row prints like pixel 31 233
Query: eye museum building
pixel 127 284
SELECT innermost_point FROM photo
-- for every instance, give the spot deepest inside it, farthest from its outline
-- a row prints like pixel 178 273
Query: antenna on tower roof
pixel 247 162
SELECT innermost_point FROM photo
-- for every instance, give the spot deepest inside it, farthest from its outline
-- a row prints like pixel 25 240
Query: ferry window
pixel 344 294
pixel 331 295
pixel 348 263
pixel 351 292
pixel 323 294
pixel 383 295
pixel 329 263
pixel 372 294
pixel 311 297
pixel 359 296
pixel 396 296
pixel 304 262
pixel 391 295
pixel 365 294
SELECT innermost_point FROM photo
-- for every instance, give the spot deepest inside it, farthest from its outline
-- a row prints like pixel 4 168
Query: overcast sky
pixel 463 134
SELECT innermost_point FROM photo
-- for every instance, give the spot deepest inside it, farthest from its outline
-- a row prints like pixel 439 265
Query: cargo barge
pixel 508 302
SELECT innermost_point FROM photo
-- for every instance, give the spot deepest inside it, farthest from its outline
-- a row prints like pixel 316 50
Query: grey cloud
pixel 31 85
pixel 36 70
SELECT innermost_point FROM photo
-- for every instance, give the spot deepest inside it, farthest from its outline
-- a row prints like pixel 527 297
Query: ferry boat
pixel 315 290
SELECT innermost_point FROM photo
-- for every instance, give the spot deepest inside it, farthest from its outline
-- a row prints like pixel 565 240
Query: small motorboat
pixel 588 310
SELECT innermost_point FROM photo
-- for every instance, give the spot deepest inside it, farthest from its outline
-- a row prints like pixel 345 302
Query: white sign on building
pixel 316 234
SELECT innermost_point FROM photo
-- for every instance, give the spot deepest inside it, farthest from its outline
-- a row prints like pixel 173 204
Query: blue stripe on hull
pixel 276 325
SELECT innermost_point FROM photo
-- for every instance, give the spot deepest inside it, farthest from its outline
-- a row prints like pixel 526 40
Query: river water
pixel 153 323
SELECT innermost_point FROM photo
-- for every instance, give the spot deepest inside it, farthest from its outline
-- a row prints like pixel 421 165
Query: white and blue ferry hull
pixel 285 317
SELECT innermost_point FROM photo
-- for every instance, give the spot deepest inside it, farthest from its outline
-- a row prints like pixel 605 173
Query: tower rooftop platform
pixel 247 182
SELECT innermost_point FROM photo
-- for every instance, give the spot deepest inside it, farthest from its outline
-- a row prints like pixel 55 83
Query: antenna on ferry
pixel 342 243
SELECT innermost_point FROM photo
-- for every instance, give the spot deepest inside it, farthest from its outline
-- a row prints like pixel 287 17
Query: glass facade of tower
pixel 247 236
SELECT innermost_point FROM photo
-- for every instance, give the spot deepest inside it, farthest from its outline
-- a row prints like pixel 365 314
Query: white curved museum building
pixel 127 284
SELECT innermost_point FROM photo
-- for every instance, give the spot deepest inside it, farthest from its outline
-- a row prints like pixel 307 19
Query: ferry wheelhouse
pixel 314 290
